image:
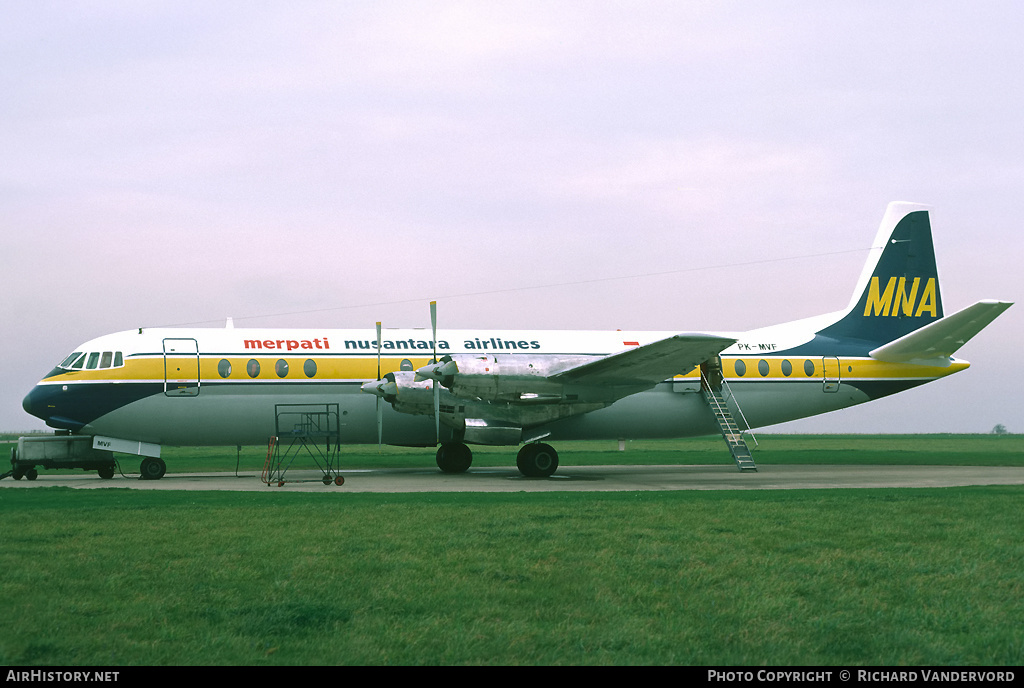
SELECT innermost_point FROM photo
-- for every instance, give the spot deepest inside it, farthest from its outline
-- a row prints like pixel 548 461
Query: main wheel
pixel 454 457
pixel 537 460
pixel 152 468
pixel 107 472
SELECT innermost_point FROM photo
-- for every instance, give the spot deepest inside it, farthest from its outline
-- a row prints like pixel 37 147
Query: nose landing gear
pixel 152 468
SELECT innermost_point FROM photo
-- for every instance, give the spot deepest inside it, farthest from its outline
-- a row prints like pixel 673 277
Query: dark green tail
pixel 898 291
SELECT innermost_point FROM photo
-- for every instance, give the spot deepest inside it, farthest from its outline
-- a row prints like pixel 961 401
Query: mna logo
pixel 896 301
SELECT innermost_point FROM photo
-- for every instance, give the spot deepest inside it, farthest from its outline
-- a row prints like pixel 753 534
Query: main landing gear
pixel 454 457
pixel 537 460
pixel 534 460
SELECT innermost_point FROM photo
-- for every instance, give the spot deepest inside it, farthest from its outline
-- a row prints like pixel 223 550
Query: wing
pixel 648 364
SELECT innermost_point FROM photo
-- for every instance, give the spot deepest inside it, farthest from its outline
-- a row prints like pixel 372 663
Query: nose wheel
pixel 152 468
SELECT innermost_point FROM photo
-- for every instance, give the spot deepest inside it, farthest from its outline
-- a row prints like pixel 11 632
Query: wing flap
pixel 934 343
pixel 648 364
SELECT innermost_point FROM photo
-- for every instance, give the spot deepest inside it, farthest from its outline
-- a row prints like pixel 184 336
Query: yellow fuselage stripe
pixel 151 369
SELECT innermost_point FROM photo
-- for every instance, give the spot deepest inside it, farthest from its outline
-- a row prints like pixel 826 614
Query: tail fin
pixel 898 291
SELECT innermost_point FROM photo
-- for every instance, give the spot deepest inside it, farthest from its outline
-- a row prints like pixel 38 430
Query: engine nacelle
pixel 502 377
pixel 404 392
pixel 484 421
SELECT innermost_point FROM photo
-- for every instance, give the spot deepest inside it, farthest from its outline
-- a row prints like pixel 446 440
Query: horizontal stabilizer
pixel 649 364
pixel 934 343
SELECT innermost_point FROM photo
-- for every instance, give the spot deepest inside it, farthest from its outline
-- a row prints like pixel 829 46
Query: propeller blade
pixel 378 351
pixel 380 408
pixel 433 323
pixel 380 424
pixel 437 389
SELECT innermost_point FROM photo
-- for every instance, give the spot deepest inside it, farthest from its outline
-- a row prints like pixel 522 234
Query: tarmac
pixel 567 479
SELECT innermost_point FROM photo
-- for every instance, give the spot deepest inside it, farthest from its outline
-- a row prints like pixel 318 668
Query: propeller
pixel 385 387
pixel 437 389
pixel 380 409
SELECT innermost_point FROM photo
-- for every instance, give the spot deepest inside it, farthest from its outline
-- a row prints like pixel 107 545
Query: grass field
pixel 836 577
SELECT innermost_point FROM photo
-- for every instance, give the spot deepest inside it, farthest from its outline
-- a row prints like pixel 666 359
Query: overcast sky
pixel 584 165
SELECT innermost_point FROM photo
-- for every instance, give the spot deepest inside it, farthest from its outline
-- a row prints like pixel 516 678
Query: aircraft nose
pixel 43 402
pixel 32 405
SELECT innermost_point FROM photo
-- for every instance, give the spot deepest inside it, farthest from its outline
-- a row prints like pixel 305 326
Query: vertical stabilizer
pixel 898 291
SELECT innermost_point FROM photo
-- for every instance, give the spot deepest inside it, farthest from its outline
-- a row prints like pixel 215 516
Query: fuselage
pixel 225 386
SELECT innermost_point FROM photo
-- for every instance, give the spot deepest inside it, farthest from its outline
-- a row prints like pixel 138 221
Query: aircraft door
pixel 181 367
pixel 830 373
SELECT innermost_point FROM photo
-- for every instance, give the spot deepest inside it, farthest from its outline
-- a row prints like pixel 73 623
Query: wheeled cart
pixel 58 451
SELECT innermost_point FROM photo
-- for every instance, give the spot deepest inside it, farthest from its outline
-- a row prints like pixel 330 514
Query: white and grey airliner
pixel 138 390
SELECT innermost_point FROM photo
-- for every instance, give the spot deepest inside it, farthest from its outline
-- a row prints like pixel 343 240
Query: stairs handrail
pixel 749 431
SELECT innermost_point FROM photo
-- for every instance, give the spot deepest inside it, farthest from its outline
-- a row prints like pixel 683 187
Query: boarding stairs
pixel 730 429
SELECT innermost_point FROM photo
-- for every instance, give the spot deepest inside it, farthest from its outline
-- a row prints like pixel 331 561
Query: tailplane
pixel 936 343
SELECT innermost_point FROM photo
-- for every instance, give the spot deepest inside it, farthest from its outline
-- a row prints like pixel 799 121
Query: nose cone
pixel 31 404
pixel 43 402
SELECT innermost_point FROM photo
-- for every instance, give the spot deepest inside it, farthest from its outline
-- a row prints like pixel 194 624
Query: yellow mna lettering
pixel 881 302
pixel 928 300
pixel 905 303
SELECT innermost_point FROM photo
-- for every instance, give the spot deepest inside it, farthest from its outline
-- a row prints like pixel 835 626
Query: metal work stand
pixel 304 430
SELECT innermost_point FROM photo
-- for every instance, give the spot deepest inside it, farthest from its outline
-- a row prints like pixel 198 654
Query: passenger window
pixel 741 367
pixel 808 368
pixel 762 367
pixel 224 367
pixel 787 368
pixel 309 367
pixel 252 367
pixel 281 367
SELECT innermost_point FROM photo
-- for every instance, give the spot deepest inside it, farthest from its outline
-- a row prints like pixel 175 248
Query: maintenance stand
pixel 312 430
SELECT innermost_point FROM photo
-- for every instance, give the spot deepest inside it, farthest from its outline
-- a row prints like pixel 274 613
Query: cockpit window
pixel 92 360
pixel 66 363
